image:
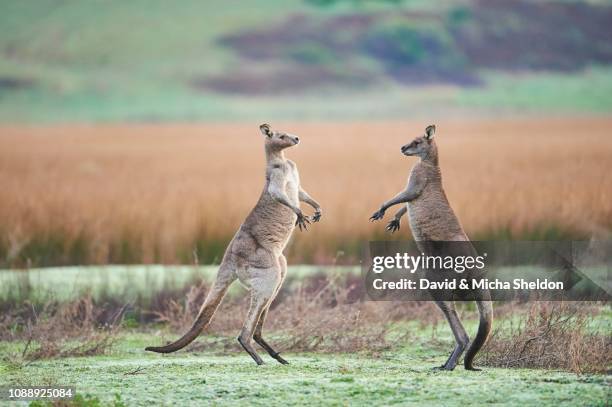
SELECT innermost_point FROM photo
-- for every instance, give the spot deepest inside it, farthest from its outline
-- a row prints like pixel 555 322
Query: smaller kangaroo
pixel 255 254
pixel 432 219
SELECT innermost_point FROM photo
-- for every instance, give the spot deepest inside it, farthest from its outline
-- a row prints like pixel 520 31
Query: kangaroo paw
pixel 302 222
pixel 393 226
pixel 377 215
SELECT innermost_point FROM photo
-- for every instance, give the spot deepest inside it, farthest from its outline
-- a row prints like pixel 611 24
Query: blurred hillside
pixel 145 60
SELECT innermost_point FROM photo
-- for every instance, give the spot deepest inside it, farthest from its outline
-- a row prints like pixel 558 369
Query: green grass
pixel 140 283
pixel 229 377
pixel 587 92
pixel 117 60
pixel 125 282
pixel 402 377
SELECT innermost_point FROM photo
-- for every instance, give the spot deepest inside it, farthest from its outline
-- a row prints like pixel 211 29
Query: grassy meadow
pixel 79 194
pixel 90 331
pixel 129 376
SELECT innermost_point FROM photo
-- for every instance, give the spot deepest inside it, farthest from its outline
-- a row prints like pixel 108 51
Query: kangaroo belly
pixel 432 218
pixel 267 229
pixel 274 224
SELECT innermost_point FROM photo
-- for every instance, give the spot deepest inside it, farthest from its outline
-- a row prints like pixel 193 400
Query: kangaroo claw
pixel 377 215
pixel 393 226
pixel 317 216
pixel 302 222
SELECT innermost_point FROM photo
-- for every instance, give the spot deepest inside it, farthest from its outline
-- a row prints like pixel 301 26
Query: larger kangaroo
pixel 432 219
pixel 255 254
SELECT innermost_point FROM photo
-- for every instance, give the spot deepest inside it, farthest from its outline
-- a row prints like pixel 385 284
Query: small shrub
pixel 318 315
pixel 550 335
pixel 61 330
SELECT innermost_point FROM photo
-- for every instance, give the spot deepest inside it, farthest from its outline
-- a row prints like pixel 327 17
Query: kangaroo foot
pixel 247 347
pixel 269 349
pixel 279 359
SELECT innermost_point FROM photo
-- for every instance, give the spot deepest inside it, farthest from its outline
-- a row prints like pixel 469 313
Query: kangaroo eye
pixel 282 137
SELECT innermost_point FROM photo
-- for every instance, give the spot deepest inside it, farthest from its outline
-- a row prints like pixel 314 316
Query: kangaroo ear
pixel 265 130
pixel 430 131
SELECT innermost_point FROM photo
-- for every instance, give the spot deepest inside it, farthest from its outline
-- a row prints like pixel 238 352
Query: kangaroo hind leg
pixel 461 337
pixel 262 283
pixel 257 336
pixel 225 277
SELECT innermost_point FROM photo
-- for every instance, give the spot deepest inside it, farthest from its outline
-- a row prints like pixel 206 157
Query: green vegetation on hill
pixel 156 60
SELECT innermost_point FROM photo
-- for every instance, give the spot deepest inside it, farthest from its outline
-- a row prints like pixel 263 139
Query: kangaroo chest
pixel 292 186
pixel 431 216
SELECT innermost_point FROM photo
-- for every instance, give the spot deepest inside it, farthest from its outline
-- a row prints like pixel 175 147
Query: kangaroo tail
pixel 485 309
pixel 204 317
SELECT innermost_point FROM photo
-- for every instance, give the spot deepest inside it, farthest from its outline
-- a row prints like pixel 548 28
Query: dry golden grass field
pixel 157 193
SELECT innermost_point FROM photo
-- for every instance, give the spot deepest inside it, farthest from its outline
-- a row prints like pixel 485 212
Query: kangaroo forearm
pixel 401 213
pixel 402 197
pixel 304 197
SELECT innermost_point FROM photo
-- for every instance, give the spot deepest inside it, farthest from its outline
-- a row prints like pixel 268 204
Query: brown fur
pixel 255 254
pixel 432 219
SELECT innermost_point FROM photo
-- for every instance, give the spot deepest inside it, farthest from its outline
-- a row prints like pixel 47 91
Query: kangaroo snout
pixel 297 140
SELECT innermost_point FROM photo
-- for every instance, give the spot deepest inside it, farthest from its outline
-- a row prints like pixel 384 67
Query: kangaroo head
pixel 422 145
pixel 278 140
